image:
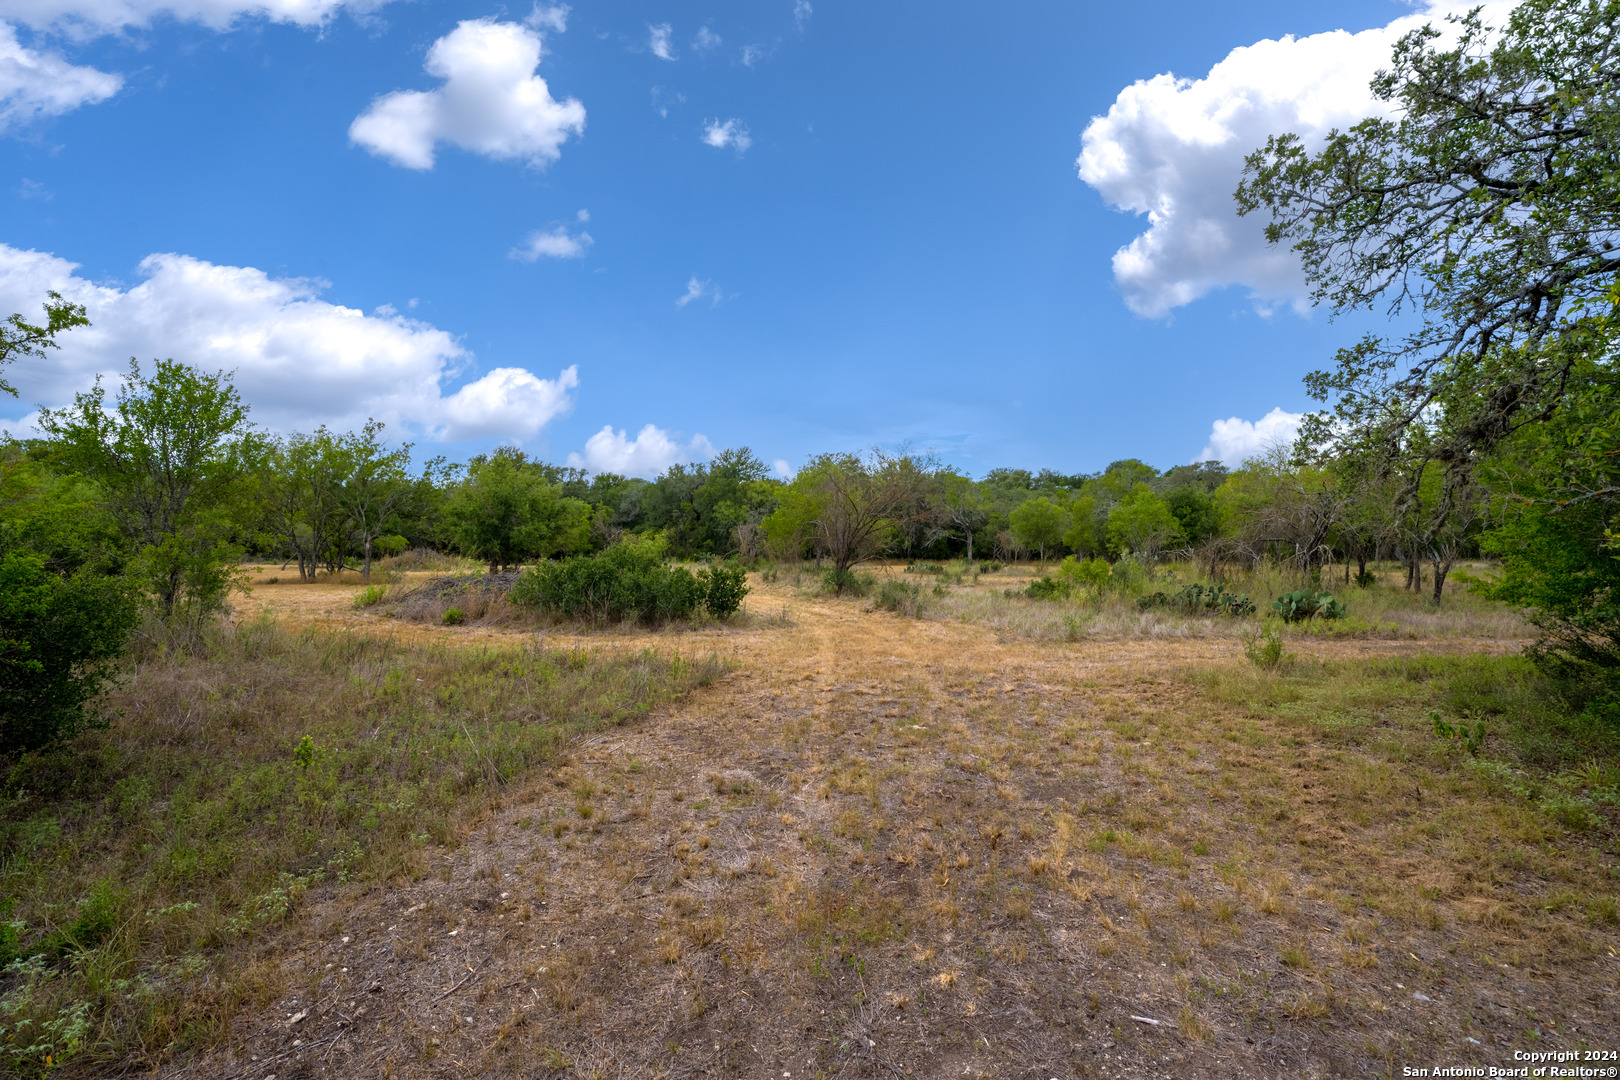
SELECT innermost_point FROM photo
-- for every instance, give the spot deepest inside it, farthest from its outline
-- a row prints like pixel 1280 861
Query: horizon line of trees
pixel 188 487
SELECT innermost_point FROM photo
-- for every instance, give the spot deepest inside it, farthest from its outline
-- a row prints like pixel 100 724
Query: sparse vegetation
pixel 151 867
pixel 251 831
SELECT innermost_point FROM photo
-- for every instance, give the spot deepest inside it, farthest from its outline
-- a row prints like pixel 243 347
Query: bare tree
pixel 855 500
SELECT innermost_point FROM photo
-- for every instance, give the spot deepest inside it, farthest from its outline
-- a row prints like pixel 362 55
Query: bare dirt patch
pixel 898 848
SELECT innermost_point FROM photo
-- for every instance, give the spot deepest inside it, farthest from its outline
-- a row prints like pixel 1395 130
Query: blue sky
pixel 875 211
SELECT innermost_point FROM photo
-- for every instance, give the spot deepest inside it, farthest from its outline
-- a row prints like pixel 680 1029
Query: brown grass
pixel 935 848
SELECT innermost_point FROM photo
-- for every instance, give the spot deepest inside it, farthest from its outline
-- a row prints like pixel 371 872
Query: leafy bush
pixel 1196 599
pixel 1046 588
pixel 1093 572
pixel 453 617
pixel 839 582
pixel 723 589
pixel 60 638
pixel 1128 575
pixel 1304 604
pixel 1366 579
pixel 925 568
pixel 630 580
pixel 370 595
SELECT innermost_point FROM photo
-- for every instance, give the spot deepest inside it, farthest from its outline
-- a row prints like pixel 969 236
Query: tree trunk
pixel 365 567
pixel 1442 567
pixel 970 546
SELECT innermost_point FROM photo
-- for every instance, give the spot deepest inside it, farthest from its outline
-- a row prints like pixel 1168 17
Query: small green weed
pixel 1471 738
pixel 1263 645
pixel 371 594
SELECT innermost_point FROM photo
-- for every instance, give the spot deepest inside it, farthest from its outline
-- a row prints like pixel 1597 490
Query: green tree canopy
pixel 376 486
pixel 1489 203
pixel 844 504
pixel 507 512
pixel 1142 524
pixel 173 459
pixel 959 507
pixel 1039 524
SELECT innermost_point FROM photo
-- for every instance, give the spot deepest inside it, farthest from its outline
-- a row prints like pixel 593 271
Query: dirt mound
pixel 472 594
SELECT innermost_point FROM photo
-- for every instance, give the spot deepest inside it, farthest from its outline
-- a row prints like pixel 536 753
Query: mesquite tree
pixel 1487 209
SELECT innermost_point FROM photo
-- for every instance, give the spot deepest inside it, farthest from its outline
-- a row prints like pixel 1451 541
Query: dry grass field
pixel 944 847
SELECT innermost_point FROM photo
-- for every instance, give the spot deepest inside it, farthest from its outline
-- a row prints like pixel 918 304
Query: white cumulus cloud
pixel 801 13
pixel 298 360
pixel 1233 441
pixel 723 133
pixel 705 40
pixel 39 84
pixel 1172 149
pixel 491 103
pixel 780 466
pixel 651 452
pixel 508 403
pixel 658 41
pixel 557 243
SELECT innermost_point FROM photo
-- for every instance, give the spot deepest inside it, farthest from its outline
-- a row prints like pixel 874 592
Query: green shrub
pixel 723 589
pixel 1046 588
pixel 1093 572
pixel 630 580
pixel 841 582
pixel 60 639
pixel 371 594
pixel 1366 579
pixel 453 617
pixel 1127 576
pixel 1303 604
pixel 925 568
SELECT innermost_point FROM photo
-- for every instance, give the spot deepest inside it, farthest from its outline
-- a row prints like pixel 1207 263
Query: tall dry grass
pixel 1384 610
pixel 151 863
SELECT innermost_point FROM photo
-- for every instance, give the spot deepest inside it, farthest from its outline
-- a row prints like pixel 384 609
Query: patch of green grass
pixel 141 860
pixel 371 594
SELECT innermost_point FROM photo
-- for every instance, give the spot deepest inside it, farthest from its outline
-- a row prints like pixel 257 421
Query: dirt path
pixel 888 847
